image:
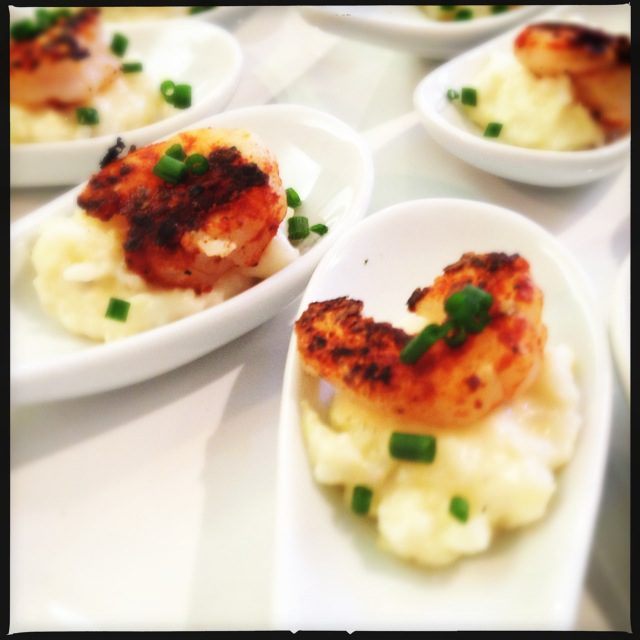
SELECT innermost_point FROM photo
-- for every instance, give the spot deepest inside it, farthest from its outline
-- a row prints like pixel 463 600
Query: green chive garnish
pixel 197 164
pixel 167 87
pixel 297 227
pixel 179 95
pixel 469 308
pixel 463 14
pixel 493 130
pixel 319 228
pixel 25 30
pixel 175 151
pixel 469 96
pixel 420 343
pixel 467 312
pixel 117 309
pixel 447 7
pixel 499 8
pixel 62 13
pixel 87 115
pixel 194 10
pixel 119 44
pixel 182 96
pixel 456 337
pixel 170 169
pixel 452 94
pixel 293 199
pixel 459 508
pixel 361 499
pixel 412 446
pixel 131 67
pixel 44 19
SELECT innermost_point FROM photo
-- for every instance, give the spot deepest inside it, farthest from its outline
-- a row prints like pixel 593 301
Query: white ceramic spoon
pixel 407 28
pixel 201 54
pixel 447 125
pixel 321 157
pixel 329 572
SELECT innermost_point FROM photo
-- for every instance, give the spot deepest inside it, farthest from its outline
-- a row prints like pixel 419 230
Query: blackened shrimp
pixel 190 233
pixel 448 386
pixel 597 63
pixel 66 64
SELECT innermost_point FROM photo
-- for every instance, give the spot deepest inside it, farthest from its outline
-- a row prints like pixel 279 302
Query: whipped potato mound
pixel 80 266
pixel 538 113
pixel 131 101
pixel 503 467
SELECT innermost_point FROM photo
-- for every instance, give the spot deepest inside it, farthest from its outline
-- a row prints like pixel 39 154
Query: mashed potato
pixel 539 113
pixel 80 266
pixel 502 466
pixel 131 101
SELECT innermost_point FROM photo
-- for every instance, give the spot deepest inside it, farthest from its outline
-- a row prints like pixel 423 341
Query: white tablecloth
pixel 152 507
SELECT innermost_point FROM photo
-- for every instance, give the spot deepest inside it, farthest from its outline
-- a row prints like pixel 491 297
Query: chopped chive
pixel 175 151
pixel 131 67
pixel 297 227
pixel 456 337
pixel 452 94
pixel 197 163
pixel 469 308
pixel 499 8
pixel 179 95
pixel 44 18
pixel 182 96
pixel 319 228
pixel 87 115
pixel 464 14
pixel 469 96
pixel 447 7
pixel 167 87
pixel 170 169
pixel 117 309
pixel 194 10
pixel 361 499
pixel 119 44
pixel 62 13
pixel 293 199
pixel 421 343
pixel 493 130
pixel 25 30
pixel 459 508
pixel 412 446
pixel 467 312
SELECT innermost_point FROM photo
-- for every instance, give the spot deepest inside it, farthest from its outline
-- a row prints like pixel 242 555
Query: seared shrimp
pixel 448 386
pixel 598 64
pixel 189 234
pixel 66 64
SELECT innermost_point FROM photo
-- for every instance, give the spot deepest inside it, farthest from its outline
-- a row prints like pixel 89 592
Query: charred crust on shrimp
pixel 416 296
pixel 448 385
pixel 59 42
pixel 161 215
pixel 598 65
pixel 190 232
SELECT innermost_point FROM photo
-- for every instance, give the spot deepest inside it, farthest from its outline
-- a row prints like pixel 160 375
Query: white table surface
pixel 152 507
